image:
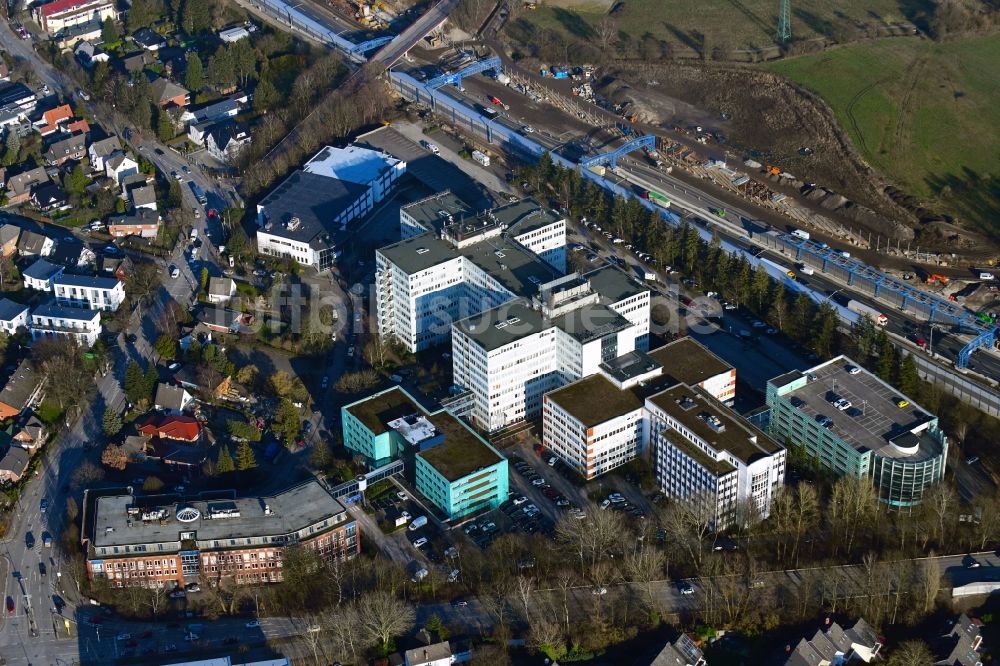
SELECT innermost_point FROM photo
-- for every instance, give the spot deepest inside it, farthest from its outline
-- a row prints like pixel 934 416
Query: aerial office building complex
pixel 852 423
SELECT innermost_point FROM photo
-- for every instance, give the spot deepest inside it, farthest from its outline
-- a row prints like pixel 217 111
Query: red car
pixel 495 100
pixel 10 605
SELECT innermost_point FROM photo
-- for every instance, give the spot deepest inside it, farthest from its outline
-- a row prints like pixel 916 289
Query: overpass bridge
pixel 390 54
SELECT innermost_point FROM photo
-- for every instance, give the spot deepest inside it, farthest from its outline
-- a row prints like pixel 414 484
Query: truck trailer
pixel 860 308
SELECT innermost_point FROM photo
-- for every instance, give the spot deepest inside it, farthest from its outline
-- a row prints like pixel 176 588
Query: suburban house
pixel 60 15
pixel 79 126
pixel 206 382
pixel 198 131
pixel 84 291
pixel 959 644
pixel 19 186
pixel 176 427
pixel 833 644
pixel 222 320
pixel 143 222
pixel 32 243
pixel 49 196
pixel 681 652
pixel 12 316
pixel 222 109
pixel 17 102
pixel 70 148
pixel 53 118
pixel 29 431
pixel 221 289
pixel 40 274
pixel 9 233
pixel 143 198
pixel 167 93
pixel 89 55
pixel 22 391
pixel 120 165
pixel 136 62
pixel 435 654
pixel 172 398
pixel 50 320
pixel 148 39
pixel 225 141
pixel 13 463
pixel 99 151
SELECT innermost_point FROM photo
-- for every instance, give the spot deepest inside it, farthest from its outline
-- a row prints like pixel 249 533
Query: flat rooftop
pixel 291 510
pixel 377 411
pixel 432 213
pixel 594 400
pixel 511 264
pixel 630 365
pixel 419 253
pixel 696 410
pixel 353 164
pixel 502 325
pixel 613 284
pixel 590 322
pixel 878 418
pixel 689 361
pixel 524 216
pixel 461 453
pixel 315 200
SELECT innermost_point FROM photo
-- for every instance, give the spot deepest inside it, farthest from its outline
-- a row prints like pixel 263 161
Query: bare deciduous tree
pixel 384 616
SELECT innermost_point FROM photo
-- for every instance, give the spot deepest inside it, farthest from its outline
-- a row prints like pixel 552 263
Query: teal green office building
pixel 850 422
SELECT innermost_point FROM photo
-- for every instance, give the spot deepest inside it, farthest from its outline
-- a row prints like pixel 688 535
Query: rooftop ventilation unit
pixel 713 422
pixel 294 224
pixel 685 403
pixel 422 250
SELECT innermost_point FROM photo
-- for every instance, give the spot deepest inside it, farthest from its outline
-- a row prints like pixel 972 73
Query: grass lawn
pixel 737 24
pixel 923 113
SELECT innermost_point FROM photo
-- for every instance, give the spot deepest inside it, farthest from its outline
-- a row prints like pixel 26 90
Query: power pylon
pixel 785 23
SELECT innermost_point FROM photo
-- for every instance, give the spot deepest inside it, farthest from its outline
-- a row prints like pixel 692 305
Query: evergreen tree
pixel 150 381
pixel 111 423
pixel 826 325
pixel 204 279
pixel 164 127
pixel 886 365
pixel 109 31
pixel 166 347
pixel 134 383
pixel 265 96
pixel 286 424
pixel 245 458
pixel 225 463
pixel 194 73
pixel 195 17
pixel 760 288
pixel 801 317
pixel 909 378
pixel 75 182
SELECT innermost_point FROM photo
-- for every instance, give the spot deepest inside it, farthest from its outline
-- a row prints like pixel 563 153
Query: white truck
pixel 481 157
pixel 878 317
pixel 807 270
pixel 804 235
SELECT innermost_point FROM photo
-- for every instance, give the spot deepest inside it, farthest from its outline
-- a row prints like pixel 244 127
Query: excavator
pixel 935 277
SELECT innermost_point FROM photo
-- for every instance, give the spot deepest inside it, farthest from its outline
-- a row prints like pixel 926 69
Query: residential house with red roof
pixel 175 427
pixel 54 17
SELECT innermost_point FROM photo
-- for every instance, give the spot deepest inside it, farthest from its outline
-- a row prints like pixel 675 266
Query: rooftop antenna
pixel 785 23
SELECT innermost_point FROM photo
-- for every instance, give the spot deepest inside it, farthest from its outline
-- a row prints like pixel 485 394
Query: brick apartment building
pixel 168 541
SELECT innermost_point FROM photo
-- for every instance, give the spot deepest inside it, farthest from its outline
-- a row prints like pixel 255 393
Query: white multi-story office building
pixel 598 423
pixel 705 453
pixel 95 293
pixel 540 230
pixel 50 320
pixel 511 356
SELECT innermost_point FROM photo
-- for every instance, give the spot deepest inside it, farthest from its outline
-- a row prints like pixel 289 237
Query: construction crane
pixel 785 22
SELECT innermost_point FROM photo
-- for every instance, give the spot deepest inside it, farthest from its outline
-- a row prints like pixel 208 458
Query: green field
pixel 732 24
pixel 924 113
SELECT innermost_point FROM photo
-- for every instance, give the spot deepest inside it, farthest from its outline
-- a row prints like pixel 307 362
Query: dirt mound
pixel 775 121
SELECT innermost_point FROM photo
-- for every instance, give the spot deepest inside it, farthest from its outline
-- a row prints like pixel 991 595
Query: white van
pixel 804 235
